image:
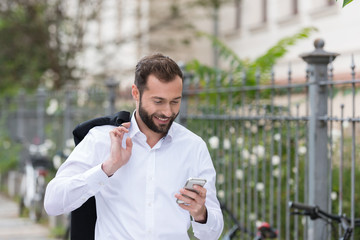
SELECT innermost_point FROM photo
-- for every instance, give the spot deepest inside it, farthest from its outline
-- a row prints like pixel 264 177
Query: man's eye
pixel 157 102
pixel 174 102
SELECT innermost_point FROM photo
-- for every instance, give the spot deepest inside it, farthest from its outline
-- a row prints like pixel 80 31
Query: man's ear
pixel 135 92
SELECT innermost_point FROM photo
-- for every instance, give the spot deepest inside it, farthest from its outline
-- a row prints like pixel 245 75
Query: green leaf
pixel 346 2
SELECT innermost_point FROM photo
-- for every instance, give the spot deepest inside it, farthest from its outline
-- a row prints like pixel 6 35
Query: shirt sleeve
pixel 78 179
pixel 213 227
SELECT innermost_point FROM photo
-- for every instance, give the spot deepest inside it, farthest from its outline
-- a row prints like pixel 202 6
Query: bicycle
pixel 264 230
pixel 33 182
pixel 314 212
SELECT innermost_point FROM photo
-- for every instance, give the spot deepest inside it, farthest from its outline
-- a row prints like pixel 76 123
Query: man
pixel 138 170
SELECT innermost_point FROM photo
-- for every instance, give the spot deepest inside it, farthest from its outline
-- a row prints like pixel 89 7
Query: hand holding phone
pixel 189 185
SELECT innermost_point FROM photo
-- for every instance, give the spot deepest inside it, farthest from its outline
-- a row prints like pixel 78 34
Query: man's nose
pixel 167 110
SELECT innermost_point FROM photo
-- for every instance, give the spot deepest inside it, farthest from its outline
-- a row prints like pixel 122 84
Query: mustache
pixel 164 116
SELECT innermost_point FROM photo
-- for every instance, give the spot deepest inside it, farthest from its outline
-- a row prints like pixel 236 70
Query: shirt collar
pixel 134 128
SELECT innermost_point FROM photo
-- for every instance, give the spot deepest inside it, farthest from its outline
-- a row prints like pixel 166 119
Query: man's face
pixel 159 104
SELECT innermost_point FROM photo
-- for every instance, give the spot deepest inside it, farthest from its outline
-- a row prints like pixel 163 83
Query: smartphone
pixel 189 185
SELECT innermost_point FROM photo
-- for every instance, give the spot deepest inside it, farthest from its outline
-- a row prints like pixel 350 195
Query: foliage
pixel 212 4
pixel 40 42
pixel 9 150
pixel 346 2
pixel 237 66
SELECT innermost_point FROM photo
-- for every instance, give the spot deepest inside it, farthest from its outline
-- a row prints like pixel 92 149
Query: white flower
pixel 56 161
pixel 53 106
pixel 240 141
pixel 43 150
pixel 254 129
pixel 6 144
pixel 70 143
pixel 303 221
pixel 33 149
pixel 276 173
pixel 253 159
pixel 232 130
pixel 252 216
pixel 302 150
pixel 261 122
pixel 258 223
pixel 49 143
pixel 260 186
pixel 82 98
pixel 221 194
pixel 67 151
pixel 227 143
pixel 291 181
pixel 239 174
pixel 220 179
pixel 275 160
pixel 295 170
pixel 245 153
pixel 333 196
pixel 214 142
pixel 259 150
pixel 277 137
pixel 336 134
pixel 345 124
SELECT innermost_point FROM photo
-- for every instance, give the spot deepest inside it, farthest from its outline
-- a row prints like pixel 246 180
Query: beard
pixel 148 120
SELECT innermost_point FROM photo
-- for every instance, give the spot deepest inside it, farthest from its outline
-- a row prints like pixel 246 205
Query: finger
pixel 189 193
pixel 183 198
pixel 125 125
pixel 118 132
pixel 122 129
pixel 186 207
pixel 201 190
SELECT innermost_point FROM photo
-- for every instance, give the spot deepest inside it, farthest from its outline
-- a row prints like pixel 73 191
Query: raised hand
pixel 119 156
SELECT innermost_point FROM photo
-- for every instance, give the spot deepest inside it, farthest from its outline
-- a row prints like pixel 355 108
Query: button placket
pixel 150 194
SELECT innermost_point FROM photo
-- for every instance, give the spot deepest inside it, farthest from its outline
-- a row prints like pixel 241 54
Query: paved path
pixel 12 227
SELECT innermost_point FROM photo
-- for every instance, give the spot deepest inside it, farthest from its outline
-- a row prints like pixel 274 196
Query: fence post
pixel 111 84
pixel 317 135
pixel 184 101
pixel 20 118
pixel 67 115
pixel 40 114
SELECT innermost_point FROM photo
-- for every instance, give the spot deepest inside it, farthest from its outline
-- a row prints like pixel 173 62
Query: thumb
pixel 129 144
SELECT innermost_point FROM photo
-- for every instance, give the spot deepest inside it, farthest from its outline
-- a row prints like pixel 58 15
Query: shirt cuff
pixel 210 223
pixel 95 178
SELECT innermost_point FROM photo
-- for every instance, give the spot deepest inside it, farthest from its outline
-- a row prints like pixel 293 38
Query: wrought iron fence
pixel 47 118
pixel 271 143
pixel 274 143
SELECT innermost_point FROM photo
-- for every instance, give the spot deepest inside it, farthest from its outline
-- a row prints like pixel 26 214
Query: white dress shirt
pixel 138 201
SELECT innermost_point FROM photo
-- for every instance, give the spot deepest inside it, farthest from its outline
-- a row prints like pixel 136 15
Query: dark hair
pixel 162 67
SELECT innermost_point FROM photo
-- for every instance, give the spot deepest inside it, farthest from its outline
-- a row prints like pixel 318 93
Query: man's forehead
pixel 155 83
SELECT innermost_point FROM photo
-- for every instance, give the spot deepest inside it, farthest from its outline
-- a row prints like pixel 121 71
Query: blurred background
pixel 66 61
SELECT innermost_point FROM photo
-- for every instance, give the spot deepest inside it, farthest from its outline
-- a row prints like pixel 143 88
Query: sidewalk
pixel 12 227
